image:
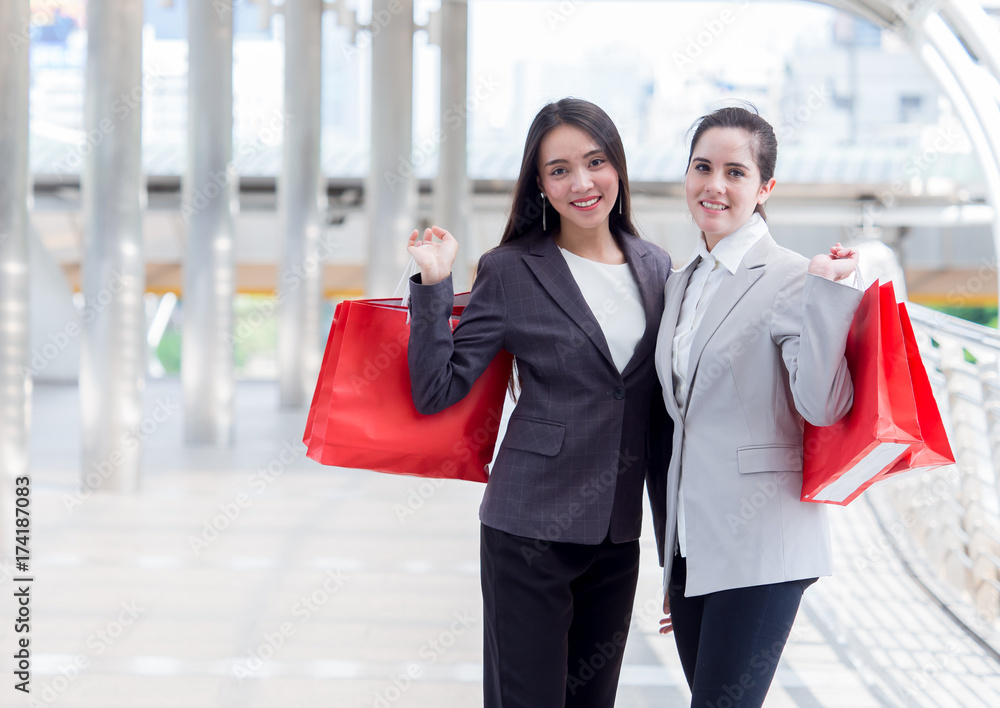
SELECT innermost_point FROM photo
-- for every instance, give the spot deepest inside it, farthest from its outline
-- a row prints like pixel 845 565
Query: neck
pixel 713 241
pixel 594 244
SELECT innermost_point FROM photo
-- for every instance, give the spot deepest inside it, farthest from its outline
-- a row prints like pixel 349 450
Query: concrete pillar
pixel 391 189
pixel 210 189
pixel 452 194
pixel 300 278
pixel 113 351
pixel 15 379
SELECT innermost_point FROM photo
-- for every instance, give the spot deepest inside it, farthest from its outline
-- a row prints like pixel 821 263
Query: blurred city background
pixel 855 110
pixel 172 247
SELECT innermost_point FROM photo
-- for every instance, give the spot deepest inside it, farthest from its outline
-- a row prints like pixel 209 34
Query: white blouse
pixel 613 296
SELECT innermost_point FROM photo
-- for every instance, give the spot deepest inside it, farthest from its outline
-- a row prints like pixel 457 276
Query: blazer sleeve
pixel 443 366
pixel 810 319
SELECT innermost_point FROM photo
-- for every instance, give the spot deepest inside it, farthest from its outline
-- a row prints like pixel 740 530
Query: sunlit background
pixel 851 103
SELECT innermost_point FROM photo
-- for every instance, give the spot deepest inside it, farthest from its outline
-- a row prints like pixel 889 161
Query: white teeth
pixel 589 202
pixel 714 207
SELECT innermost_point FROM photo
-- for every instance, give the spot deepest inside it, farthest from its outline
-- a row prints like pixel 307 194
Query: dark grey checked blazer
pixel 572 464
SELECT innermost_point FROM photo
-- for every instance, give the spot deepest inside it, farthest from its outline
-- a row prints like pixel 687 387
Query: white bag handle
pixel 404 283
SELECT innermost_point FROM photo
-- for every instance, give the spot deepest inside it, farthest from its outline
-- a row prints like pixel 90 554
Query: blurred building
pixel 850 83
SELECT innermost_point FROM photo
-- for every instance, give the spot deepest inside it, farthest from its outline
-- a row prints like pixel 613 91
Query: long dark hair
pixel 526 208
pixel 763 143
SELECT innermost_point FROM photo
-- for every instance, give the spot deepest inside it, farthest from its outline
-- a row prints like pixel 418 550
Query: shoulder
pixel 784 266
pixel 506 261
pixel 788 259
pixel 511 254
pixel 648 253
pixel 517 247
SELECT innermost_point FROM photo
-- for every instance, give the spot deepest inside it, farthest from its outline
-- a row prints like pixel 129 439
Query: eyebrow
pixel 560 159
pixel 728 164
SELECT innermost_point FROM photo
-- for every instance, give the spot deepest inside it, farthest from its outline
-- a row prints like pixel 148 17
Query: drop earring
pixel 544 225
pixel 619 199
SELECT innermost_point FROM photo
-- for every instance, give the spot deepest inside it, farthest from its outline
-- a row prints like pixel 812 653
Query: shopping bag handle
pixel 403 286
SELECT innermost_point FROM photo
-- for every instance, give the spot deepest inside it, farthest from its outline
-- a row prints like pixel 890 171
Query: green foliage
pixel 169 351
pixel 980 315
pixel 254 340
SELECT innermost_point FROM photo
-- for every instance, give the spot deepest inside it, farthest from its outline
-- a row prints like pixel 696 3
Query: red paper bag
pixel 362 415
pixel 842 460
pixel 933 450
pixel 319 409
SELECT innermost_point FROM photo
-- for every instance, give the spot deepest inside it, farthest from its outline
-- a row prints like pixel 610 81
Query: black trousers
pixel 556 618
pixel 730 641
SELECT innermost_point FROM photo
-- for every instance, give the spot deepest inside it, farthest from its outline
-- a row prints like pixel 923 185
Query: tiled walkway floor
pixel 253 577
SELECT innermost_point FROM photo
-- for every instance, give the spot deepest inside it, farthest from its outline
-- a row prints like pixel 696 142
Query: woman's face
pixel 575 175
pixel 723 185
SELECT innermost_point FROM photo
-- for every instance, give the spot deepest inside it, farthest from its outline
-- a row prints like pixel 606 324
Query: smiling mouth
pixel 714 207
pixel 586 203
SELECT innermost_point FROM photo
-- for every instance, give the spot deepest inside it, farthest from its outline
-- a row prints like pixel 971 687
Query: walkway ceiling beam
pixel 947 60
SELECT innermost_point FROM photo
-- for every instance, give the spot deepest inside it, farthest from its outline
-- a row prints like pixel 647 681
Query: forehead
pixel 722 145
pixel 565 142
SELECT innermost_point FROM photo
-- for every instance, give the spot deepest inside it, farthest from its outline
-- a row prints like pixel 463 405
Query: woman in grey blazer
pixel 751 344
pixel 576 296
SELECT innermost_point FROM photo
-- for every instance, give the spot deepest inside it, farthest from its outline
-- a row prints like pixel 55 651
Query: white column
pixel 451 188
pixel 209 265
pixel 113 347
pixel 300 277
pixel 15 379
pixel 391 189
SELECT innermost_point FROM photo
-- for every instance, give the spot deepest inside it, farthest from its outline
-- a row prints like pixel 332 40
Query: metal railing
pixel 953 512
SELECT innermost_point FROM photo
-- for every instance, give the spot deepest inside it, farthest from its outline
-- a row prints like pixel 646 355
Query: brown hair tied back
pixel 763 143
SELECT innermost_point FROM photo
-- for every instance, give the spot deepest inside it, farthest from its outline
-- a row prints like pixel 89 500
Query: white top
pixel 613 296
pixel 708 275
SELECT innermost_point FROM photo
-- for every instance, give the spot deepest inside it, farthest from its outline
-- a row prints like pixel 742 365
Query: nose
pixel 582 180
pixel 715 183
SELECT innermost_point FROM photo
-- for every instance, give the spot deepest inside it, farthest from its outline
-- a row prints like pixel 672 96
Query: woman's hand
pixel 666 624
pixel 435 259
pixel 840 263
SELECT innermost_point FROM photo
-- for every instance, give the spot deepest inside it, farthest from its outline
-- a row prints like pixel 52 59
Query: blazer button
pixel 619 393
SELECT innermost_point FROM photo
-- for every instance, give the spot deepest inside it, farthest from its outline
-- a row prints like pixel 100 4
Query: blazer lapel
pixel 549 266
pixel 673 296
pixel 677 283
pixel 635 254
pixel 730 292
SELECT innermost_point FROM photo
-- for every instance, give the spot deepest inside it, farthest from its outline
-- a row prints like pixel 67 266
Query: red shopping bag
pixel 362 414
pixel 842 460
pixel 933 450
pixel 320 406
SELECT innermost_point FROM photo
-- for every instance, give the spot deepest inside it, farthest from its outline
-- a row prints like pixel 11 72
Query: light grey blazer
pixel 768 354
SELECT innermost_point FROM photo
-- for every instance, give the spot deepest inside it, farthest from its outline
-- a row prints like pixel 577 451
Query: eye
pixel 558 171
pixel 736 173
pixel 597 162
pixel 701 167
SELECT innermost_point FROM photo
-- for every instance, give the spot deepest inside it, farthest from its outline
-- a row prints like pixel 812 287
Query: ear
pixel 538 183
pixel 765 191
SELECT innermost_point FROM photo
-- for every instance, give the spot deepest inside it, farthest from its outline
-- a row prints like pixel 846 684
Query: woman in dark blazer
pixel 576 296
